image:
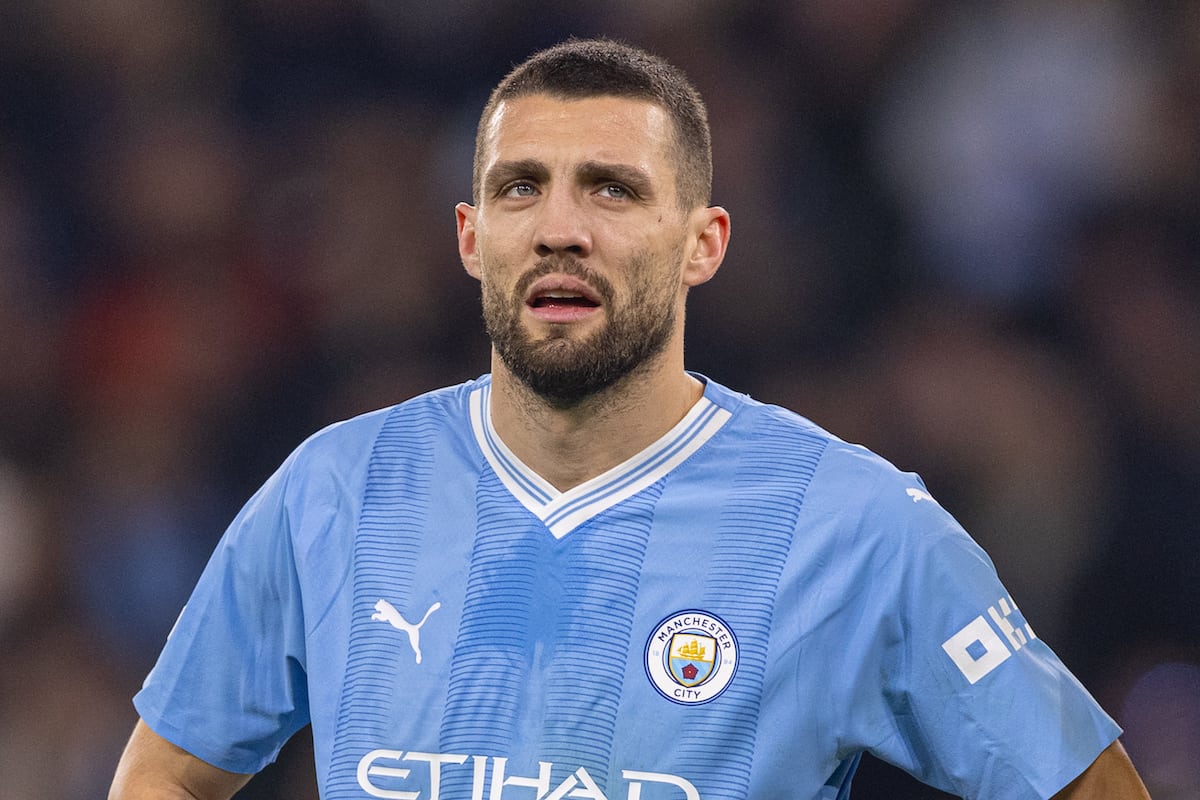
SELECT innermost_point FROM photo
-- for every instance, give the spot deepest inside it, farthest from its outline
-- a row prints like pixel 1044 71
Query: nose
pixel 562 226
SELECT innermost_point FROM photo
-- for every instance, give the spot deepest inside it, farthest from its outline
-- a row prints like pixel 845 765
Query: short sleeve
pixel 978 705
pixel 229 686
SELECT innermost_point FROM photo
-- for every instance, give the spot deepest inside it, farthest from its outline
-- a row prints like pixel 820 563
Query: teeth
pixel 561 295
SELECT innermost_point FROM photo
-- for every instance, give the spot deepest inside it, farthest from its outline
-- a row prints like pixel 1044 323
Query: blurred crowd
pixel 965 235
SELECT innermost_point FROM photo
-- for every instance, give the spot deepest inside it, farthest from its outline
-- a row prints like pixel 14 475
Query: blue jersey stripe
pixel 752 542
pixel 491 661
pixel 602 573
pixel 389 538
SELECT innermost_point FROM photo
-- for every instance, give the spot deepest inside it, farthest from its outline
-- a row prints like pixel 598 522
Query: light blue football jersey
pixel 739 611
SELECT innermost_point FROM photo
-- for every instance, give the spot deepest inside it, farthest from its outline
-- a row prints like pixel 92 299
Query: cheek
pixel 496 280
pixel 654 281
pixel 495 257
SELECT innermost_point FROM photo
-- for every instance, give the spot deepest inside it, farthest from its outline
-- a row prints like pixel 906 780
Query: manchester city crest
pixel 691 657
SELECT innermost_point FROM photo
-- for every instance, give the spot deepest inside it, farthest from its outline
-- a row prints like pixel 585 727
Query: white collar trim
pixel 562 512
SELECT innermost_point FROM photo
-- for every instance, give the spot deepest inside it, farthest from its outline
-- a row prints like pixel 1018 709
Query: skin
pixel 1111 775
pixel 569 184
pixel 151 768
pixel 591 180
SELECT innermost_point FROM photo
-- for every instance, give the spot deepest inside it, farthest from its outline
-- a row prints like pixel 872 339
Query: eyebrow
pixel 502 172
pixel 588 173
pixel 637 179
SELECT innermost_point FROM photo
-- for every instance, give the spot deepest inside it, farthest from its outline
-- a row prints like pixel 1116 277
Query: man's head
pixel 590 220
pixel 582 68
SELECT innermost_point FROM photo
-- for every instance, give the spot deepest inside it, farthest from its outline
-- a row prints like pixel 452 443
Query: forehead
pixel 604 128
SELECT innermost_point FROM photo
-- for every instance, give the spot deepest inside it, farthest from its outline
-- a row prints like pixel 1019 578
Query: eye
pixel 615 190
pixel 519 189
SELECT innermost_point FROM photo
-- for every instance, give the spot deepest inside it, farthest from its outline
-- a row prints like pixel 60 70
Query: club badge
pixel 691 657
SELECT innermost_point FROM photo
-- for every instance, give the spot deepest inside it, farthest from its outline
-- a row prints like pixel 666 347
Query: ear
pixel 712 228
pixel 468 250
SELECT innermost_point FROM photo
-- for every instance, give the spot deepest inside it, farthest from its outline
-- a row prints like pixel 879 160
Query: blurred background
pixel 966 235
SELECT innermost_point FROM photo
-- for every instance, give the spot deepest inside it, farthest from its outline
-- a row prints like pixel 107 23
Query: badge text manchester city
pixel 691 657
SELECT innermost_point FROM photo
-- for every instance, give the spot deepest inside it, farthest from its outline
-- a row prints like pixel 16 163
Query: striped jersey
pixel 739 611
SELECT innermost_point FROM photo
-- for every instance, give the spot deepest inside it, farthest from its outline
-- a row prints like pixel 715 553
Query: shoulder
pixel 758 424
pixel 331 466
pixel 320 486
pixel 868 492
pixel 852 468
pixel 351 441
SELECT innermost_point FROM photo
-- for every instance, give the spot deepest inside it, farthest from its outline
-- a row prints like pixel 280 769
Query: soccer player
pixel 591 573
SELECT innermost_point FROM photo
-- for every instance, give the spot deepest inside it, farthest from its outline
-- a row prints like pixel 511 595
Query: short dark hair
pixel 581 68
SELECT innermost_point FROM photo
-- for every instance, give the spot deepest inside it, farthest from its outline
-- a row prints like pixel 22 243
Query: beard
pixel 563 370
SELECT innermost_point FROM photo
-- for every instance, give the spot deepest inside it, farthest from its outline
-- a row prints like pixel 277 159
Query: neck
pixel 570 445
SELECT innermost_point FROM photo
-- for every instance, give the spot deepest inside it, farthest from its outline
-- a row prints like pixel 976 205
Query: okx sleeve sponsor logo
pixel 987 641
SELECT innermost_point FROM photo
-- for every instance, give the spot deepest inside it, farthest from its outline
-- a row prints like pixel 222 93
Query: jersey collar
pixel 562 512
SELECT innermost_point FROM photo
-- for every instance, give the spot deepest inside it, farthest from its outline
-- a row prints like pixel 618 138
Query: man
pixel 592 574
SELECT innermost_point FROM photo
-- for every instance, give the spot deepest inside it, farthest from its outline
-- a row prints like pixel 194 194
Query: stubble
pixel 564 370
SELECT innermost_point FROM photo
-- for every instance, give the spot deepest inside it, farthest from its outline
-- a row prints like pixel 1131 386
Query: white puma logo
pixel 917 495
pixel 386 612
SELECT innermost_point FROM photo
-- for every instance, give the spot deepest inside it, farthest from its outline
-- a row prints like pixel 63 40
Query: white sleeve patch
pixel 976 650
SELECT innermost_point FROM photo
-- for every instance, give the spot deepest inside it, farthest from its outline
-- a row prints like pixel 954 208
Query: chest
pixel 638 644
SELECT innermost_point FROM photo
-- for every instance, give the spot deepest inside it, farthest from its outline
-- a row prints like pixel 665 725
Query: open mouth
pixel 560 299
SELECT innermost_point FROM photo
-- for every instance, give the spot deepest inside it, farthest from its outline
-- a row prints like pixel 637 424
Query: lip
pixel 579 300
